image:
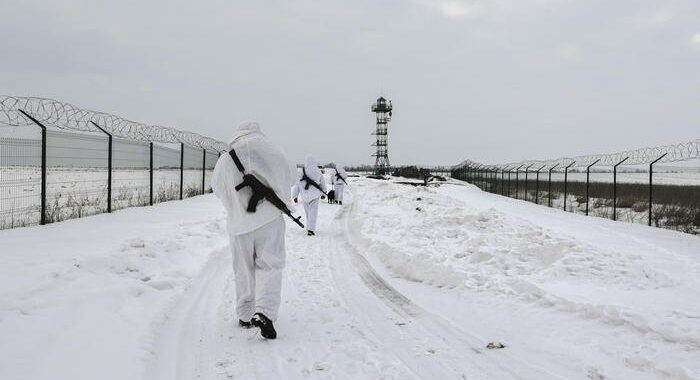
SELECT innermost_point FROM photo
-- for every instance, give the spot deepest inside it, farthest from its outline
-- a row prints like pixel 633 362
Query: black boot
pixel 244 324
pixel 310 233
pixel 267 330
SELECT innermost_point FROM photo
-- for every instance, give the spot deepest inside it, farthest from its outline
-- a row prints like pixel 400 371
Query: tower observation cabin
pixel 383 110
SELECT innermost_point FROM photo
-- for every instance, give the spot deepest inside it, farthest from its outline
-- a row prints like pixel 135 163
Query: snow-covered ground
pixel 583 295
pixel 401 282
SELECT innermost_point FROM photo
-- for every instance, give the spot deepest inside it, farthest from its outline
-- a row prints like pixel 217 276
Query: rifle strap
pixel 236 160
pixel 306 178
pixel 255 198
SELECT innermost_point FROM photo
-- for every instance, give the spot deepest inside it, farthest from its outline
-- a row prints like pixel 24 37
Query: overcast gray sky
pixel 493 81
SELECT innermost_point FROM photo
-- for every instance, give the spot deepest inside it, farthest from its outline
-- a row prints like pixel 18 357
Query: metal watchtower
pixel 382 108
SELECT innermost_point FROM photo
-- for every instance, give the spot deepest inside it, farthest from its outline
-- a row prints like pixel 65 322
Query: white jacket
pixel 309 192
pixel 339 170
pixel 264 160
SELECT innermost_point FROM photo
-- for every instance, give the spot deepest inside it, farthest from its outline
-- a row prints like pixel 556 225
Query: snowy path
pixel 318 334
pixel 340 319
pixel 400 283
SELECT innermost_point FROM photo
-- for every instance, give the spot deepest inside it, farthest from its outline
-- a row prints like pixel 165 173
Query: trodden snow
pixel 401 282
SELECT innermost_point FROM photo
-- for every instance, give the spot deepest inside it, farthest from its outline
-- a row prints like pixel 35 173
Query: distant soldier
pixel 253 181
pixel 339 180
pixel 311 187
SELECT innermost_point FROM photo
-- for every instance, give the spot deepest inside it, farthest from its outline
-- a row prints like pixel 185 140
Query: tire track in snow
pixel 181 350
pixel 458 351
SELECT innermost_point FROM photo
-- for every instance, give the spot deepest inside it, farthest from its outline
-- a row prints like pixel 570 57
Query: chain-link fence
pixel 20 180
pixel 60 162
pixel 629 186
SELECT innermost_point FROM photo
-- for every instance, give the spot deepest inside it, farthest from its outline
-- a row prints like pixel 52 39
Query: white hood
pixel 246 128
pixel 311 168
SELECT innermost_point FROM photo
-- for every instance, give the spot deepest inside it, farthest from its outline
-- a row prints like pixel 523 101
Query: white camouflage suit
pixel 338 183
pixel 310 194
pixel 257 239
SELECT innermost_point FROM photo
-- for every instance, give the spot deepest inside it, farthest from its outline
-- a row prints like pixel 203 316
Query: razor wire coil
pixel 666 153
pixel 69 117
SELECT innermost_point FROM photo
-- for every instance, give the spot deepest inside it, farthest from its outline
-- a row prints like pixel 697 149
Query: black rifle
pixel 311 182
pixel 340 177
pixel 260 191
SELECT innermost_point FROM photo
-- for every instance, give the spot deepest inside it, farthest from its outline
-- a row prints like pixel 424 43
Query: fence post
pixel 566 175
pixel 489 181
pixel 494 178
pixel 651 168
pixel 42 218
pixel 588 181
pixel 537 185
pixel 526 170
pixel 503 182
pixel 615 187
pixel 489 185
pixel 204 168
pixel 494 181
pixel 150 174
pixel 508 192
pixel 182 167
pixel 549 186
pixel 109 166
pixel 517 170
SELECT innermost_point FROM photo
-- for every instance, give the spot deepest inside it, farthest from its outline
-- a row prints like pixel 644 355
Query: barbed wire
pixel 69 117
pixel 666 153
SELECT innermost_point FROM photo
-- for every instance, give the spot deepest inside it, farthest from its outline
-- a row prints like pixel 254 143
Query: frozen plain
pixel 401 282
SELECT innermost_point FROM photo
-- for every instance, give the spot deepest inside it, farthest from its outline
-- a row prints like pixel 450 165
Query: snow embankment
pixel 79 299
pixel 456 236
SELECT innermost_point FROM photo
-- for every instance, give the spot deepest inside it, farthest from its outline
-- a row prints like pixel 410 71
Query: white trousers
pixel 258 260
pixel 311 210
pixel 339 192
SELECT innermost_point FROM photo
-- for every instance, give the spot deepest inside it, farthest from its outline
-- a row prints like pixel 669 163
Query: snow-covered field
pixel 77 192
pixel 401 282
